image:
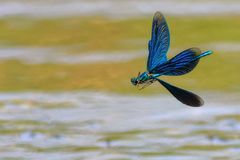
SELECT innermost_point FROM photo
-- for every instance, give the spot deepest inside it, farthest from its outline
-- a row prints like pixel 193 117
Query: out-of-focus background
pixel 65 92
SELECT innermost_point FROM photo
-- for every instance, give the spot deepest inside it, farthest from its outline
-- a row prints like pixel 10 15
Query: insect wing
pixel 160 41
pixel 181 64
pixel 184 96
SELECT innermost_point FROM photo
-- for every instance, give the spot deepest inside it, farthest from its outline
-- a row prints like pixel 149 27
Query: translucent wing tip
pixel 196 50
pixel 199 53
pixel 158 16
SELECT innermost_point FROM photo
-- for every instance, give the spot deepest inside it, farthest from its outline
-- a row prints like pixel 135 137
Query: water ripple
pixel 102 126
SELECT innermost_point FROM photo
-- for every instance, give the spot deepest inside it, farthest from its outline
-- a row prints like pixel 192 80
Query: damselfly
pixel 159 65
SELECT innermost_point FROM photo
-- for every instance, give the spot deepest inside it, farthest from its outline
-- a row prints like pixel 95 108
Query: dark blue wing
pixel 181 64
pixel 159 43
pixel 184 96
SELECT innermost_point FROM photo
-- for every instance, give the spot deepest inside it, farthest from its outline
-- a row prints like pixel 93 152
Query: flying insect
pixel 159 65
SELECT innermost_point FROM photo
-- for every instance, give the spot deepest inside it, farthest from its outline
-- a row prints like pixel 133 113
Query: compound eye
pixel 134 81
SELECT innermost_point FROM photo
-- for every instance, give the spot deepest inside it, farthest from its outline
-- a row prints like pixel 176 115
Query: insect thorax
pixel 144 77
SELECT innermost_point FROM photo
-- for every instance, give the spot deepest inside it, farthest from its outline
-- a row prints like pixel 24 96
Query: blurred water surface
pixel 114 8
pixel 99 126
pixel 71 52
